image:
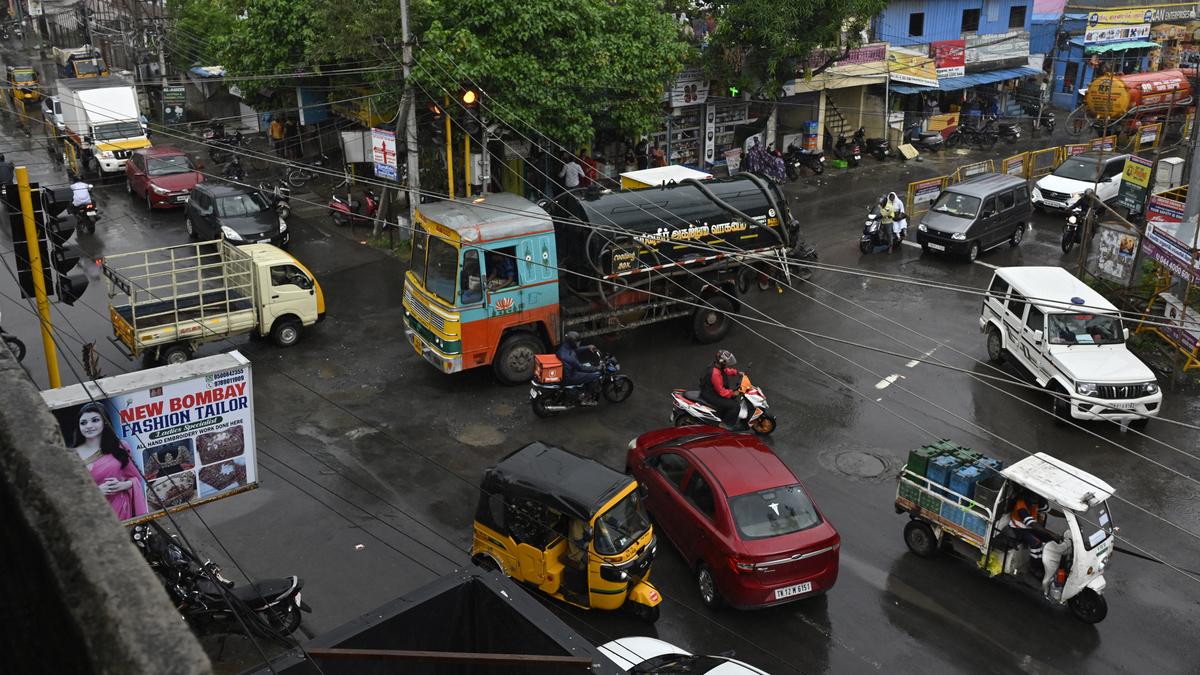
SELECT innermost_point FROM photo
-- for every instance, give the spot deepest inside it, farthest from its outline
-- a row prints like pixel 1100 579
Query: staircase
pixel 835 121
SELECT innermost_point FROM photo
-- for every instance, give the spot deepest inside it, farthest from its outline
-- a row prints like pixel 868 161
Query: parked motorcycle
pixel 86 217
pixel 279 195
pixel 688 408
pixel 1073 230
pixel 351 211
pixel 201 594
pixel 929 141
pixel 848 150
pixel 1045 121
pixel 15 345
pixel 797 158
pixel 879 148
pixel 548 398
pixel 224 148
pixel 983 137
pixel 1010 132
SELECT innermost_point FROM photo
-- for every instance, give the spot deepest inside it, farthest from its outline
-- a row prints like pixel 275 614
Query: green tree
pixel 760 44
pixel 560 68
pixel 271 37
pixel 199 29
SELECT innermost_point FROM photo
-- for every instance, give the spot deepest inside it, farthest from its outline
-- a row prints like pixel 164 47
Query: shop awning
pixel 974 79
pixel 1121 46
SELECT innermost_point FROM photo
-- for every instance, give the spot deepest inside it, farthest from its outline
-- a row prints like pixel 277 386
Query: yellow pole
pixel 39 281
pixel 467 161
pixel 449 150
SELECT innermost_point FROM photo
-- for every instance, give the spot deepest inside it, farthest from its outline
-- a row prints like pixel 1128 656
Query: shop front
pixel 848 95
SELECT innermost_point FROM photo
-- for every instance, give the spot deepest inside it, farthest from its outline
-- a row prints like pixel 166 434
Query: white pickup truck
pixel 1071 339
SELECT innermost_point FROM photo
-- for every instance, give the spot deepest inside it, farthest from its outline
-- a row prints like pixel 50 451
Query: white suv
pixel 1062 190
pixel 1071 339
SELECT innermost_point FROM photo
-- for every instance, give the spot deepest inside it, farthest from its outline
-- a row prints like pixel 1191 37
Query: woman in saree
pixel 108 460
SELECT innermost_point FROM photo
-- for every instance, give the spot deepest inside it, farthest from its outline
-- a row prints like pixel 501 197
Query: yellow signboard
pixel 1137 173
pixel 911 67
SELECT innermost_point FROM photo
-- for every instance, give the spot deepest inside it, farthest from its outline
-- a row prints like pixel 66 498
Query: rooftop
pixel 1053 289
pixel 1059 482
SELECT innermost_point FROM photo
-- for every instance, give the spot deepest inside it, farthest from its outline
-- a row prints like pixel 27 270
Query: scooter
pixel 235 171
pixel 875 238
pixel 1010 132
pixel 1045 121
pixel 879 148
pixel 351 211
pixel 15 345
pixel 549 398
pixel 849 151
pixel 798 158
pixel 929 141
pixel 279 194
pixel 86 217
pixel 201 594
pixel 223 148
pixel 688 409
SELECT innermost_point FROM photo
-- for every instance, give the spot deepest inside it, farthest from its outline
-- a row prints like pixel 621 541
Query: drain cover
pixel 859 464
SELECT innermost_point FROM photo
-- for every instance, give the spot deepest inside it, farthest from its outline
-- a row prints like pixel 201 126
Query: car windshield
pixel 1077 168
pixel 774 512
pixel 1098 523
pixel 955 204
pixel 245 204
pixel 165 166
pixel 24 76
pixel 112 132
pixel 1085 329
pixel 622 525
pixel 441 269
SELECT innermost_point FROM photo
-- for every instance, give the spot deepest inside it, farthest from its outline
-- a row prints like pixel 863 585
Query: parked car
pixel 163 176
pixel 237 214
pixel 651 655
pixel 737 515
pixel 977 215
pixel 1062 190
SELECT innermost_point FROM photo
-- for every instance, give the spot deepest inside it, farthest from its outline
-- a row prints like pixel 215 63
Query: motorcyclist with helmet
pixel 577 370
pixel 719 388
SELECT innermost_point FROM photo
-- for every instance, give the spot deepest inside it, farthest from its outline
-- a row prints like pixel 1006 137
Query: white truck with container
pixel 102 124
pixel 165 302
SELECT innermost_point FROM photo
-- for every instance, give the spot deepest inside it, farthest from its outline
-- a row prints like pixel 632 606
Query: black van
pixel 976 215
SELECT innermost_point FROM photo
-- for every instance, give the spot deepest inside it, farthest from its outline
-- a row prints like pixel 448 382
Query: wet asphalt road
pixel 370 458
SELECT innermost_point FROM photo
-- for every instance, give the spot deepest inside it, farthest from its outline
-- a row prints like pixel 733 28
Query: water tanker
pixel 1115 96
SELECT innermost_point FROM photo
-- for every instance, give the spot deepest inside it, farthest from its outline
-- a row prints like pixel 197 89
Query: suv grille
pixel 1056 196
pixel 427 315
pixel 122 154
pixel 1116 391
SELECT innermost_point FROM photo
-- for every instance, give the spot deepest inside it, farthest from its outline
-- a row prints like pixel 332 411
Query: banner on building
pixel 1116 248
pixel 174 102
pixel 383 153
pixel 1102 34
pixel 1135 183
pixel 689 88
pixel 949 57
pixel 990 49
pixel 911 67
pixel 164 437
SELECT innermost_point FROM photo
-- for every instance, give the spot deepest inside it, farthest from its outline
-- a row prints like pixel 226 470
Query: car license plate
pixel 1057 205
pixel 1122 406
pixel 789 591
pixel 936 247
pixel 181 198
pixel 91 213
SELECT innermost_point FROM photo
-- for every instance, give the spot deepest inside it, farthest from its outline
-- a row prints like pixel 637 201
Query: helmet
pixel 571 337
pixel 725 358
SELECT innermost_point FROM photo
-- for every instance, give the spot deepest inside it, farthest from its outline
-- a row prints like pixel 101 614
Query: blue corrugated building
pixel 920 22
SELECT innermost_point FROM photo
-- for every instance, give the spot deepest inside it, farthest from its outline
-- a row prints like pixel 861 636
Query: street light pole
pixel 410 124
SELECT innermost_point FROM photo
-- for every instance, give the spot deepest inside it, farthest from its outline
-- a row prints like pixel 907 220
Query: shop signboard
pixel 174 100
pixel 690 88
pixel 1106 33
pixel 925 191
pixel 949 57
pixel 988 49
pixel 1135 183
pixel 383 153
pixel 1116 249
pixel 165 437
pixel 1164 210
pixel 911 67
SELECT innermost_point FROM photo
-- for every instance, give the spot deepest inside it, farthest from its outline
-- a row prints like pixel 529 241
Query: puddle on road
pixel 478 435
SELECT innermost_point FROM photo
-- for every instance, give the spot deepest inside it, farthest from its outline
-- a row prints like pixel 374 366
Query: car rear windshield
pixel 956 204
pixel 165 166
pixel 246 204
pixel 1077 168
pixel 774 512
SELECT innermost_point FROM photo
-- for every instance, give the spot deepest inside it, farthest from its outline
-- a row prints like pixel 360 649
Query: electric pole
pixel 1191 207
pixel 410 123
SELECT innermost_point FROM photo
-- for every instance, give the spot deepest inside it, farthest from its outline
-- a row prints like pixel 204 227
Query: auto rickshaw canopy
pixel 557 478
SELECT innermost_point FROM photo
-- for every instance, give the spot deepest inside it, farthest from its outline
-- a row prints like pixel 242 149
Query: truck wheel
pixel 995 346
pixel 286 332
pixel 513 363
pixel 919 537
pixel 175 355
pixel 710 324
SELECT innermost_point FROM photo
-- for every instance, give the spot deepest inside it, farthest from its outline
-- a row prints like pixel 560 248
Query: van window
pixel 1016 304
pixel 999 288
pixel 1022 196
pixel 989 208
pixel 1036 319
pixel 1007 200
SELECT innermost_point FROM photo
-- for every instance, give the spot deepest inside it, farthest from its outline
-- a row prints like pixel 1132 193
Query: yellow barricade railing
pixel 922 193
pixel 1148 137
pixel 1107 143
pixel 974 169
pixel 1076 149
pixel 1042 162
pixel 1017 165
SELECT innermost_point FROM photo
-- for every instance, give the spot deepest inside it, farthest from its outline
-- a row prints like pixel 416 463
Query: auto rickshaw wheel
pixel 1089 606
pixel 920 539
pixel 644 612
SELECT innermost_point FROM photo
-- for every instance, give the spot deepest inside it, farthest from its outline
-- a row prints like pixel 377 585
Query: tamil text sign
pixel 1135 183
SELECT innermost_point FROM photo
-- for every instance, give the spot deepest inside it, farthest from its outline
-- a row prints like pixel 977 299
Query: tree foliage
pixel 561 69
pixel 760 44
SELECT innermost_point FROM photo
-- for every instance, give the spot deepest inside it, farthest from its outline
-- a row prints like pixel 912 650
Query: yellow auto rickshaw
pixel 569 526
pixel 23 84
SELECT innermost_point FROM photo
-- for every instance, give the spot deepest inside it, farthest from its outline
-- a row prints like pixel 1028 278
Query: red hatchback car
pixel 737 514
pixel 163 176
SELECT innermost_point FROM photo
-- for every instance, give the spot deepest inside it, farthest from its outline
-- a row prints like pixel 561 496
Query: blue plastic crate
pixel 974 523
pixel 989 466
pixel 940 468
pixel 963 480
pixel 952 512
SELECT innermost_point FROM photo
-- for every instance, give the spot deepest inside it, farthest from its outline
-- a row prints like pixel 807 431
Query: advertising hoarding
pixel 949 57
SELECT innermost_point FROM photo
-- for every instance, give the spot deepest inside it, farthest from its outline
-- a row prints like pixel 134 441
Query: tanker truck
pixel 1114 97
pixel 495 280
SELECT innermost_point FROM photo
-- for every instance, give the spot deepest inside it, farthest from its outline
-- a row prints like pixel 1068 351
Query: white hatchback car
pixel 650 655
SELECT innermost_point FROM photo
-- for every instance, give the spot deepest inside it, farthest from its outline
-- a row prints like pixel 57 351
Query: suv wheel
pixel 973 251
pixel 1017 235
pixel 191 229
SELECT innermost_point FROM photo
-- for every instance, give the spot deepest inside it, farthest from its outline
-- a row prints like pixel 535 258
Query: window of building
pixel 1070 75
pixel 916 24
pixel 1016 17
pixel 970 20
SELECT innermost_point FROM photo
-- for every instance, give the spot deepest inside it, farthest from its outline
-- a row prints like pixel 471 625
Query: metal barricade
pixel 1107 143
pixel 973 169
pixel 1148 136
pixel 1017 165
pixel 1076 149
pixel 1042 162
pixel 922 193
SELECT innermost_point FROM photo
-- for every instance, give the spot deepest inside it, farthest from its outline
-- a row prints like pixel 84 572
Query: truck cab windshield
pixel 91 67
pixel 118 131
pixel 1085 329
pixel 23 76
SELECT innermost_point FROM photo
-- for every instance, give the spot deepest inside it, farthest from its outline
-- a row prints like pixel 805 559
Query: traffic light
pixel 469 97
pixel 70 281
pixel 24 268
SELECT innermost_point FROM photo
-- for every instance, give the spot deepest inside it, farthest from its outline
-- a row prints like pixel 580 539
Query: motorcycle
pixel 688 409
pixel 1009 131
pixel 929 141
pixel 202 594
pixel 15 345
pixel 86 217
pixel 548 398
pixel 1073 231
pixel 1043 121
pixel 982 137
pixel 848 151
pixel 879 148
pixel 235 171
pixel 875 238
pixel 798 158
pixel 223 148
pixel 351 211
pixel 279 195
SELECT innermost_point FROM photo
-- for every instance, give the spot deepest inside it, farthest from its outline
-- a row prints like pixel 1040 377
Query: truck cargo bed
pixel 153 314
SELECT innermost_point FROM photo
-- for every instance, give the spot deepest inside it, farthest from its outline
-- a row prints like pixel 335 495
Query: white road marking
pixel 914 362
pixel 887 381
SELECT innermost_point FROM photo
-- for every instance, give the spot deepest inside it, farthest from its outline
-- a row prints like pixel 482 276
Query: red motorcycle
pixel 351 211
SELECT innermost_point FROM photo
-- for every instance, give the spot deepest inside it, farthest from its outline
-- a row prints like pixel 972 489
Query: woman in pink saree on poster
pixel 108 460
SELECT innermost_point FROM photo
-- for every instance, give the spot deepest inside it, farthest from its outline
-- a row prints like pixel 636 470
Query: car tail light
pixel 740 566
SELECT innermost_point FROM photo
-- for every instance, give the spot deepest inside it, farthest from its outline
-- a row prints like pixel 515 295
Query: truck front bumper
pixel 111 165
pixel 443 362
pixel 1115 410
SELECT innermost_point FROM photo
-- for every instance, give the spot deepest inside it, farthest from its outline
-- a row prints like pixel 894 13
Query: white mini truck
pixel 1071 339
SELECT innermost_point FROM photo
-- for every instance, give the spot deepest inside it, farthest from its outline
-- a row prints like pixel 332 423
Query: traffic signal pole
pixel 449 150
pixel 39 281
